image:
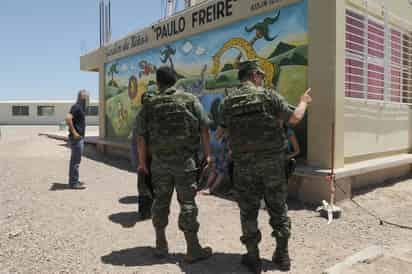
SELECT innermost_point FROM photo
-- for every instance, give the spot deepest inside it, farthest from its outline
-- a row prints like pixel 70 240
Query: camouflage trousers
pixel 166 176
pixel 256 177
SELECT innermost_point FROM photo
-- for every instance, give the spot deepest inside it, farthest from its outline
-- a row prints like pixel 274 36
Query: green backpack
pixel 173 128
pixel 252 122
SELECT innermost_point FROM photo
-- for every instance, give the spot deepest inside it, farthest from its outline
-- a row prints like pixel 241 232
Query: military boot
pixel 145 207
pixel 194 251
pixel 252 259
pixel 281 254
pixel 162 248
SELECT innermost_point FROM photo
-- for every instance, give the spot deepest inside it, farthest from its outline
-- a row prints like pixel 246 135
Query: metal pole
pixel 170 7
pixel 105 23
pixel 332 182
pixel 110 22
pixel 102 18
pixel 100 22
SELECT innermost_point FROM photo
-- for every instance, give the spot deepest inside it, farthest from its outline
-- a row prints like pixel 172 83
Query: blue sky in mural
pixel 193 52
pixel 207 100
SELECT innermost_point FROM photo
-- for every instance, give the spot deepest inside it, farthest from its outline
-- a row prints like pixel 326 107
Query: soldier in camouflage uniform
pixel 252 117
pixel 144 182
pixel 174 122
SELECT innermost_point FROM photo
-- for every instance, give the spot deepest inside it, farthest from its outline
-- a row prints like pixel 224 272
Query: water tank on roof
pixel 190 3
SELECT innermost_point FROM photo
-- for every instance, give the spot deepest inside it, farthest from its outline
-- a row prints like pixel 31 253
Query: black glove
pixel 290 167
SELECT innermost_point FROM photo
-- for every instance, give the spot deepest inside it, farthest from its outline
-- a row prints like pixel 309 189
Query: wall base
pixel 313 189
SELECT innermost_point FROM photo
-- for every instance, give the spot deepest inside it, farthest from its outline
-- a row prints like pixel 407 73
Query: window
pixel 406 80
pixel 92 111
pixel 396 65
pixel 377 65
pixel 45 110
pixel 354 78
pixel 376 62
pixel 20 110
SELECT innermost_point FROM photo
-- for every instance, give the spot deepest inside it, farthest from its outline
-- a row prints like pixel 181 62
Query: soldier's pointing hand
pixel 306 97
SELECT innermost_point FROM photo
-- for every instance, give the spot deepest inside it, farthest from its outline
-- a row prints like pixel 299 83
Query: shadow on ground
pixel 387 183
pixel 144 256
pixel 61 187
pixel 128 200
pixel 120 162
pixel 126 219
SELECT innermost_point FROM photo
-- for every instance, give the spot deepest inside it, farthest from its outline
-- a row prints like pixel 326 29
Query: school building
pixel 356 55
pixel 46 112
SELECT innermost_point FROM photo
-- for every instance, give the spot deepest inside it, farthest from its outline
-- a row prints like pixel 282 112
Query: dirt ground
pixel 47 228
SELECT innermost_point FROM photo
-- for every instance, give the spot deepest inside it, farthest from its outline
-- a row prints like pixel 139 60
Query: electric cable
pixel 373 214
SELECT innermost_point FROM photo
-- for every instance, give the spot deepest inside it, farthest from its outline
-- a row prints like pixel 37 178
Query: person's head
pixel 259 79
pixel 83 99
pixel 250 71
pixel 165 77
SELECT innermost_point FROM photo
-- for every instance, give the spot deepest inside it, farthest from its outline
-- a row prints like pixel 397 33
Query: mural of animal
pixel 197 86
pixel 262 31
pixel 146 68
pixel 166 55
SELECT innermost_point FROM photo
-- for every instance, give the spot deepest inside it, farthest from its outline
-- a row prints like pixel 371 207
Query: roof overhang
pixel 92 61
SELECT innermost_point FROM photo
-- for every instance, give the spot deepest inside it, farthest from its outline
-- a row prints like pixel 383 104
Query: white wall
pixel 60 111
pixel 372 127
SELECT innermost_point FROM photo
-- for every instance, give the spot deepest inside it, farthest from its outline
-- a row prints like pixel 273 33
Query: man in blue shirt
pixel 76 121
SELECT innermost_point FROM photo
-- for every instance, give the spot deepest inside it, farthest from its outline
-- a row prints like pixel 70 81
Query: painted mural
pixel 206 64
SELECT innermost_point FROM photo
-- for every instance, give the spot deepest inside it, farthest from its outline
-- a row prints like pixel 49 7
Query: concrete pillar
pixel 102 111
pixel 410 130
pixel 326 29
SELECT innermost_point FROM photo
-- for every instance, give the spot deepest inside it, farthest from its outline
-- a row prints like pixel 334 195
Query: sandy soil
pixel 47 228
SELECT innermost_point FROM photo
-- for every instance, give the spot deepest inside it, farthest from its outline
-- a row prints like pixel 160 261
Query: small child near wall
pixel 221 155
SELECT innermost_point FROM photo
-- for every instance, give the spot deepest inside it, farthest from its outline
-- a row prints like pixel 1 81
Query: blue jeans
pixel 77 147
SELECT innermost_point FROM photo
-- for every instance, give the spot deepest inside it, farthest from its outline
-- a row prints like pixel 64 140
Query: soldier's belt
pixel 247 148
pixel 253 148
pixel 171 153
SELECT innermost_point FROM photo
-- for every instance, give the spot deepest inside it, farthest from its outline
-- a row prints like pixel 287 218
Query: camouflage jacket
pixel 252 115
pixel 172 120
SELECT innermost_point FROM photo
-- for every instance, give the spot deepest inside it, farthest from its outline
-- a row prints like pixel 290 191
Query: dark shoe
pixel 281 255
pixel 253 263
pixel 282 261
pixel 162 248
pixel 77 186
pixel 161 252
pixel 195 252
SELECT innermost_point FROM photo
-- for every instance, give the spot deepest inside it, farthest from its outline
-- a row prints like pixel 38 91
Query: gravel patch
pixel 46 228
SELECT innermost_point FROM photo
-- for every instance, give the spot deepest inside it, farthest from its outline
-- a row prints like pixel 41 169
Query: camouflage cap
pixel 250 65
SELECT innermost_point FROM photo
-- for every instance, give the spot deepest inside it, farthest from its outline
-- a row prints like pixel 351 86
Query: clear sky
pixel 41 41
